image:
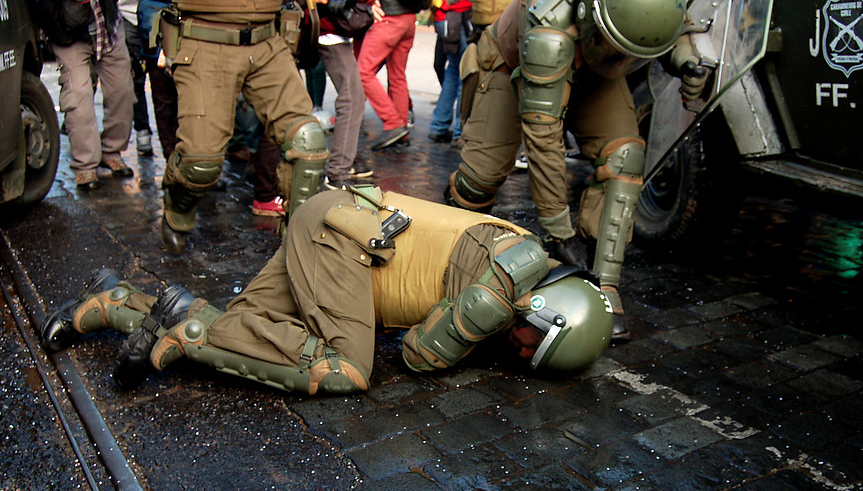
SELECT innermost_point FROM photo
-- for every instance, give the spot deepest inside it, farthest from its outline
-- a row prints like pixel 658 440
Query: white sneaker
pixel 521 162
pixel 144 142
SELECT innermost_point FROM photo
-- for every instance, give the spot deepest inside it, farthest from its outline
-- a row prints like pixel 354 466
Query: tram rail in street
pixel 20 296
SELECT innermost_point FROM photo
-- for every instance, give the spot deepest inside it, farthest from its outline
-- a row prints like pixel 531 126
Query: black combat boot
pixel 134 360
pixel 57 332
pixel 568 251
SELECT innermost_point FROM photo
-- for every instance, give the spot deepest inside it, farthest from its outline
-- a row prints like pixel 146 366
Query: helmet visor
pixel 603 57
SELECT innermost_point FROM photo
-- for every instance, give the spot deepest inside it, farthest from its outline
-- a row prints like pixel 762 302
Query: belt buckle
pixel 246 36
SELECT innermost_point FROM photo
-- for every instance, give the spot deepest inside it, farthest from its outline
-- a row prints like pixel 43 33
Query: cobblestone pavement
pixel 744 371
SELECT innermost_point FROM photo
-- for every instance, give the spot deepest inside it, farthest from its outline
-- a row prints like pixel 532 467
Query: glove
pixel 685 64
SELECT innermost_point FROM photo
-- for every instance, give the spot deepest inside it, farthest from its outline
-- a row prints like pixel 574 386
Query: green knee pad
pixel 307 152
pixel 190 178
pixel 469 192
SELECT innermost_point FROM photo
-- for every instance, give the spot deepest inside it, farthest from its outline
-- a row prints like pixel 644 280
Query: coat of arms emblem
pixel 842 42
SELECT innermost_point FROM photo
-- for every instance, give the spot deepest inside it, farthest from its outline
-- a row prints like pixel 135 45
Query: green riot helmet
pixel 568 324
pixel 619 36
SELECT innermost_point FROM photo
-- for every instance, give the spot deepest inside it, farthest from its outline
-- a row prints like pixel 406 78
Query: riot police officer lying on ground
pixel 351 260
pixel 567 62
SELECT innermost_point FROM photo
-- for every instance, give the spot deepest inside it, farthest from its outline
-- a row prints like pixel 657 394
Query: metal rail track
pixel 17 290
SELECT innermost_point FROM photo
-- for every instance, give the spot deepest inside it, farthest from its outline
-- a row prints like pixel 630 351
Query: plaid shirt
pixel 103 41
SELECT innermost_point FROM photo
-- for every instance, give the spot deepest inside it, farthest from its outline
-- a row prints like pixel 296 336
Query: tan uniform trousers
pixel 599 110
pixel 209 77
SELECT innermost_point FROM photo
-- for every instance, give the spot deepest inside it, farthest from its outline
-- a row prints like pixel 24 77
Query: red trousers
pixel 388 41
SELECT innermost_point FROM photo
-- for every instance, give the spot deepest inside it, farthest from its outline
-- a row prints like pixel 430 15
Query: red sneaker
pixel 272 208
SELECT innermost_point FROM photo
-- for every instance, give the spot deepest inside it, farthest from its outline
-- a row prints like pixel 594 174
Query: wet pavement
pixel 744 371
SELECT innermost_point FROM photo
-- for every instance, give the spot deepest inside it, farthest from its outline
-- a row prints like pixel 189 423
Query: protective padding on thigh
pixel 470 192
pixel 546 55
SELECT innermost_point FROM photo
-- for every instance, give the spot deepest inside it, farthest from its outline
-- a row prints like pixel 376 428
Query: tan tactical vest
pixel 409 285
pixel 246 6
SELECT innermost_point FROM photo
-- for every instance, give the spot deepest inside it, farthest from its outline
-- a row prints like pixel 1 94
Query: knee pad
pixel 467 191
pixel 197 172
pixel 306 140
pixel 179 339
pixel 307 152
pixel 623 157
pixel 334 374
pixel 100 310
pixel 187 179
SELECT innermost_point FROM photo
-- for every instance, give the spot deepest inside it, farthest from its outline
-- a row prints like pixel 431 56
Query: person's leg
pixel 265 161
pixel 439 55
pixel 450 92
pixel 76 102
pixel 118 96
pixel 141 118
pixel 275 89
pixel 316 84
pixel 456 133
pixel 492 136
pixel 104 301
pixel 164 95
pixel 207 77
pixel 397 63
pixel 378 42
pixel 604 123
pixel 275 332
pixel 331 288
pixel 342 67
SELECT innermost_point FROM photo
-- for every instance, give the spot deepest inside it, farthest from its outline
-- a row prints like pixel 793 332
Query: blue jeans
pixel 450 93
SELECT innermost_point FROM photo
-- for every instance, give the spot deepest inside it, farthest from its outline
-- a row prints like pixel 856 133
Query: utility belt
pixel 173 26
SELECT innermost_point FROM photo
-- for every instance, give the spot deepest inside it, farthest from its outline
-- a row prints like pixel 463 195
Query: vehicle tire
pixel 41 137
pixel 667 204
pixel 694 196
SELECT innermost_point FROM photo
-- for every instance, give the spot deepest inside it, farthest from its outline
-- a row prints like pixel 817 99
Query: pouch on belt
pixel 290 25
pixel 166 32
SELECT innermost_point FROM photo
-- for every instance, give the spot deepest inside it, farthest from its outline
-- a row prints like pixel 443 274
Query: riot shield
pixel 730 36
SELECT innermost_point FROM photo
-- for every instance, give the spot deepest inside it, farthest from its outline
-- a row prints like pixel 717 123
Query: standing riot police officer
pixel 219 48
pixel 551 65
pixel 307 321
